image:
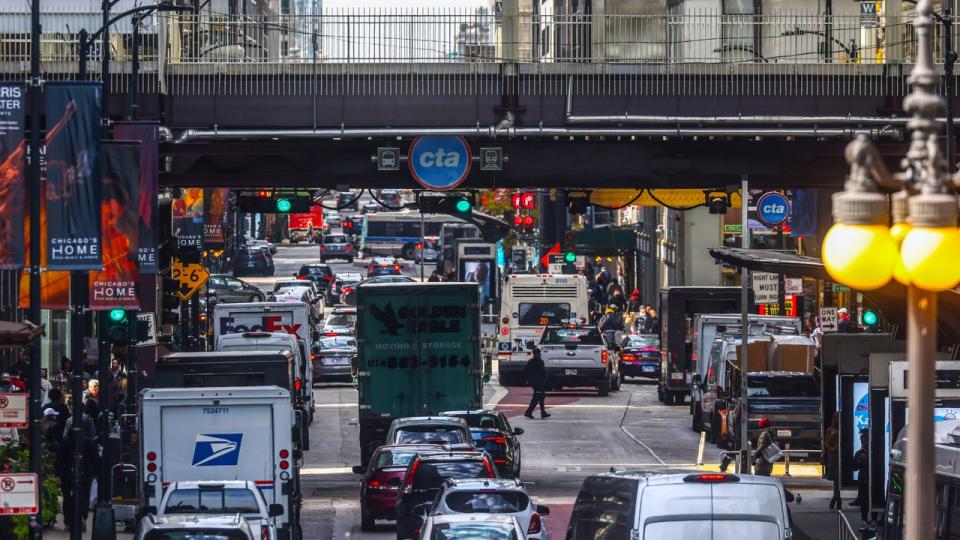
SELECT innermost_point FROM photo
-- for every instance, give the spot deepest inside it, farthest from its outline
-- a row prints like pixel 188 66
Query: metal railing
pixel 453 51
pixel 845 531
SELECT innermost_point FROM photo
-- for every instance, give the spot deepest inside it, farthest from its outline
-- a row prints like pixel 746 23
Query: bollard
pixel 703 442
pixel 786 460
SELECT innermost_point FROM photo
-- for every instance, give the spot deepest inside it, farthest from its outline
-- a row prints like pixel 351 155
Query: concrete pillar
pixel 701 230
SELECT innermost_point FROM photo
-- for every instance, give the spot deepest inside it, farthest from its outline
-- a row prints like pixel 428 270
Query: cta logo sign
pixel 773 208
pixel 217 449
pixel 439 163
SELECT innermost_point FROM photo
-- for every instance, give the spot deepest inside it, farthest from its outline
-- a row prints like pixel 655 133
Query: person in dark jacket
pixel 536 373
pixel 861 464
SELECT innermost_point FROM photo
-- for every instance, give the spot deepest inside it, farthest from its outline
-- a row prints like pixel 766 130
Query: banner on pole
pixel 147 134
pixel 188 219
pixel 13 148
pixel 215 210
pixel 115 286
pixel 73 181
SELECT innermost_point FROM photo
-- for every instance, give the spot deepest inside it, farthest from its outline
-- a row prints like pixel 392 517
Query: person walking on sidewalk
pixel 536 373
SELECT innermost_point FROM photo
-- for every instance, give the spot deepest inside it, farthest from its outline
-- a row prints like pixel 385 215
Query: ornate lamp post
pixel 920 251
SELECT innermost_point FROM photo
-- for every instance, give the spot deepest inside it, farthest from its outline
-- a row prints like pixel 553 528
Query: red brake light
pixel 330 334
pixel 284 465
pixel 346 247
pixel 711 478
pixel 603 357
pixel 628 357
pixel 297 384
pixel 375 484
pixel 413 471
pixel 284 454
pixel 347 289
pixel 489 468
pixel 327 278
pixel 498 439
pixel 419 245
pixel 151 467
pixel 301 277
pixel 323 247
pixel 396 267
pixel 151 456
pixel 535 524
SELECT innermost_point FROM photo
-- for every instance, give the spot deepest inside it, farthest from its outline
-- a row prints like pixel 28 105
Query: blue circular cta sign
pixel 773 208
pixel 439 163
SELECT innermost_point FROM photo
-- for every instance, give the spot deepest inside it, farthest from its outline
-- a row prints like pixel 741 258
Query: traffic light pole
pixel 103 524
pixel 78 327
pixel 423 243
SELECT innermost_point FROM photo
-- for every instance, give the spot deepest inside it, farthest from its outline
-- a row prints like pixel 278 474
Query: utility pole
pixel 36 433
pixel 746 459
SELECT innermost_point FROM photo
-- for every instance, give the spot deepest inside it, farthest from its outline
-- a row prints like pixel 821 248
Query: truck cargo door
pixel 448 340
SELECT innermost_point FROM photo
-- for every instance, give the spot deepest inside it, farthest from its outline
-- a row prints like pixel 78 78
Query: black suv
pixel 253 260
pixel 321 274
pixel 424 478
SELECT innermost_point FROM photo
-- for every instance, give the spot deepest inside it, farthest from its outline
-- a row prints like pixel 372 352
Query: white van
pixel 277 341
pixel 702 505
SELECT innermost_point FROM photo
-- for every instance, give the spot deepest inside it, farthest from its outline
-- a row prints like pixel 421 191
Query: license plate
pixel 648 368
pixel 337 361
pixel 569 372
pixel 784 433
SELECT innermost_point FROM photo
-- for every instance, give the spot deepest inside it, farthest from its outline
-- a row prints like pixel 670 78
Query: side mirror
pixel 359 469
pixel 149 510
pixel 531 344
pixel 518 431
pixel 275 510
pixel 543 510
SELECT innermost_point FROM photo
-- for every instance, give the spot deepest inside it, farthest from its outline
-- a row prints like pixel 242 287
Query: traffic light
pixel 870 320
pixel 457 204
pixel 570 247
pixel 266 203
pixel 115 326
pixel 170 302
pixel 717 202
pixel 523 200
pixel 577 202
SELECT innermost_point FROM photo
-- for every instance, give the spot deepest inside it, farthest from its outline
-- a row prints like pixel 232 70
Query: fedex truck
pixel 286 317
pixel 225 433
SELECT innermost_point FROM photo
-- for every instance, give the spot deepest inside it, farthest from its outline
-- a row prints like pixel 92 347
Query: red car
pixel 382 479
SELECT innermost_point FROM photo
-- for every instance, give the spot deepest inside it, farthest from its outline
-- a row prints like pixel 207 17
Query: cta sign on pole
pixel 18 494
pixel 773 208
pixel 439 163
pixel 766 287
pixel 13 410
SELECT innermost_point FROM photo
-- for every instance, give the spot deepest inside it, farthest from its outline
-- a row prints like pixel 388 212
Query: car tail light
pixel 496 439
pixel 505 330
pixel 505 320
pixel 347 290
pixel 376 484
pixel 711 478
pixel 152 467
pixel 327 278
pixel 151 456
pixel 264 533
pixel 346 247
pixel 284 465
pixel 604 357
pixel 284 454
pixel 408 484
pixel 297 385
pixel 301 277
pixel 330 334
pixel 628 357
pixel 535 524
pixel 489 468
pixel 323 247
pixel 419 245
pixel 396 267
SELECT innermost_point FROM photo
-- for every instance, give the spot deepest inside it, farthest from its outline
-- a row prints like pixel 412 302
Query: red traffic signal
pixel 517 221
pixel 528 222
pixel 527 200
pixel 515 200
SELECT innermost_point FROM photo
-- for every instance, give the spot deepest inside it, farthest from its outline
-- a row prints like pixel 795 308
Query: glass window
pixel 195 534
pixel 430 435
pixel 432 474
pixel 473 531
pixel 579 336
pixel 485 420
pixel 542 314
pixel 604 509
pixel 212 501
pixel 394 458
pixel 485 502
pixel 335 239
pixel 642 341
pixel 738 29
pixel 782 387
pixel 343 319
pixel 337 343
pixel 216 282
pixel 236 283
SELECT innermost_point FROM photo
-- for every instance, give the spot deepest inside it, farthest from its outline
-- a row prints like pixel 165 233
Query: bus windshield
pixel 542 314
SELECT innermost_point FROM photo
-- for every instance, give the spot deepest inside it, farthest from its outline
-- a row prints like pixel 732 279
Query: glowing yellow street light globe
pixel 930 249
pixel 861 257
pixel 899 231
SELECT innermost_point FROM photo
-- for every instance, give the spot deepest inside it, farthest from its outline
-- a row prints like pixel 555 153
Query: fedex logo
pixel 268 323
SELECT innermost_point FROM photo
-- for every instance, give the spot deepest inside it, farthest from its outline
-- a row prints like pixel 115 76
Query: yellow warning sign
pixel 681 198
pixel 191 276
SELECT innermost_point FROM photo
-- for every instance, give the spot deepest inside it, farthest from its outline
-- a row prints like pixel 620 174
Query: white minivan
pixel 277 341
pixel 702 505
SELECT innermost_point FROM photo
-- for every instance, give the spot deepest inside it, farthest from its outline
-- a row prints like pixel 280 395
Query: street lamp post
pixel 863 252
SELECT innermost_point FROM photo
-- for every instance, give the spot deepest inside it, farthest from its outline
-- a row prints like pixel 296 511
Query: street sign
pixel 766 287
pixel 868 14
pixel 828 319
pixel 13 410
pixel 773 208
pixel 18 494
pixel 191 276
pixel 151 322
pixel 439 163
pixel 793 285
pixel 388 158
pixel 491 159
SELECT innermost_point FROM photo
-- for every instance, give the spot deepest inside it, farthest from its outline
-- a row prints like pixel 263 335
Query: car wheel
pixel 367 522
pixel 604 388
pixel 322 260
pixel 616 383
pixel 407 253
pixel 254 298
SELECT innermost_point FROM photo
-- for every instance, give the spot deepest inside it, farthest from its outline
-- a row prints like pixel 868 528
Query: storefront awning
pixel 890 299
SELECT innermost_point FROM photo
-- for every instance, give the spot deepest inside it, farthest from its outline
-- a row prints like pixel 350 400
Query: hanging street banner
pixel 13 146
pixel 73 187
pixel 215 211
pixel 188 219
pixel 115 286
pixel 147 134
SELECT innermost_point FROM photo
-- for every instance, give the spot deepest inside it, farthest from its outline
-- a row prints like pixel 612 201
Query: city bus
pixel 528 303
pixel 396 234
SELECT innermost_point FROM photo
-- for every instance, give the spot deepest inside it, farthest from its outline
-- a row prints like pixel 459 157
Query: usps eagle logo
pixel 216 449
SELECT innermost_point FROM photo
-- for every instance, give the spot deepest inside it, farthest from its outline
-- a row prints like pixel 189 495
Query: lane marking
pixel 318 471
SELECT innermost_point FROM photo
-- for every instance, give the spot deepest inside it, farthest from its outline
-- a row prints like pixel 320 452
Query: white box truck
pixel 288 317
pixel 226 433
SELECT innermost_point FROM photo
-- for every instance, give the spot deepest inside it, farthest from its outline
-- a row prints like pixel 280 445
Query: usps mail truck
pixel 225 433
pixel 287 317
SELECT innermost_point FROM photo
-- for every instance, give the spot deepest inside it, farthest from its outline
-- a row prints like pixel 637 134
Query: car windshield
pixel 580 336
pixel 432 474
pixel 542 314
pixel 212 501
pixel 430 435
pixel 643 341
pixel 387 270
pixel 473 531
pixel 395 458
pixel 487 502
pixel 349 279
pixel 288 285
pixel 314 271
pixel 335 239
pixel 343 319
pixel 327 344
pixel 291 291
pixel 195 534
pixel 773 386
pixel 487 421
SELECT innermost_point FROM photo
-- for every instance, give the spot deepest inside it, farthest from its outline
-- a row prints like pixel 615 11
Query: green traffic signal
pixel 118 315
pixel 283 205
pixel 463 206
pixel 869 318
pixel 570 257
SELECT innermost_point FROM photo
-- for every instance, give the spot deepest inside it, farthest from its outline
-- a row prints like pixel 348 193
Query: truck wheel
pixel 604 388
pixel 407 253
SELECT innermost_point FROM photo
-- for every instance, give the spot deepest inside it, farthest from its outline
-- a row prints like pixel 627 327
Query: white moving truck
pixel 226 433
pixel 287 317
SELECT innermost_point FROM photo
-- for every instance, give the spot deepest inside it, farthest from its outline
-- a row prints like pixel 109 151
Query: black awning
pixel 890 299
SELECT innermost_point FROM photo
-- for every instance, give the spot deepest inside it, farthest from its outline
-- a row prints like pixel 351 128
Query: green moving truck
pixel 418 353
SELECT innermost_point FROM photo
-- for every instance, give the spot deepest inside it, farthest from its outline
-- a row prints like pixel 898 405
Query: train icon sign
pixel 439 163
pixel 773 208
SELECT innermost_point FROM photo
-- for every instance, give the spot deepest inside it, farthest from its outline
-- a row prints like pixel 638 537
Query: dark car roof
pixel 470 411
